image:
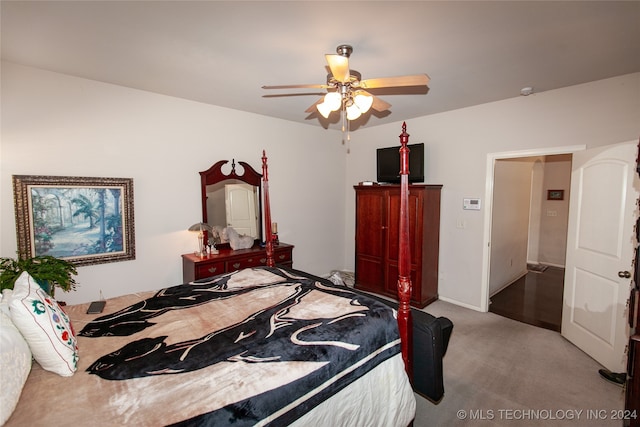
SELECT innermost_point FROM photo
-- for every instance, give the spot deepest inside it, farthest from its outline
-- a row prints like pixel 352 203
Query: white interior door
pixel 600 243
pixel 240 202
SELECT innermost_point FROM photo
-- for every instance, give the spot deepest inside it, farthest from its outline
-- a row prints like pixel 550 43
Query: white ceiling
pixel 221 53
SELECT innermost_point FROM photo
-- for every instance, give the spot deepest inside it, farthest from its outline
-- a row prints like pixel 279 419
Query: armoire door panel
pixel 370 273
pixel 370 225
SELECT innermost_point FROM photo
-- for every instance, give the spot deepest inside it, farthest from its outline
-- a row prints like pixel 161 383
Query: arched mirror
pixel 232 199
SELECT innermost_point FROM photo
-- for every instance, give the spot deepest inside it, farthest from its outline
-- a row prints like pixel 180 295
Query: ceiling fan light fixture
pixel 324 109
pixel 353 112
pixel 363 101
pixel 333 100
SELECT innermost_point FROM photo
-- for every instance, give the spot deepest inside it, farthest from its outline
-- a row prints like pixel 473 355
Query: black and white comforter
pixel 260 346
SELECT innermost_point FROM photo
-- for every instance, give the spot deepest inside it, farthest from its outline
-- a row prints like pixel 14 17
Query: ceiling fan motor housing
pixel 344 50
pixel 354 80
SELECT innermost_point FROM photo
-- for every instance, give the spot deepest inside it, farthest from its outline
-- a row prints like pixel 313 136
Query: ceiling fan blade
pixel 282 95
pixel 415 80
pixel 296 87
pixel 380 105
pixel 339 66
pixel 377 104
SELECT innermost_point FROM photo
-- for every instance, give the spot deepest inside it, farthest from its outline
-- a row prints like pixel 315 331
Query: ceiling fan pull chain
pixel 348 136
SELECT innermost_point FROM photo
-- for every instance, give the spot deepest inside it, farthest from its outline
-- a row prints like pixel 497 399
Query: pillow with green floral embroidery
pixel 45 327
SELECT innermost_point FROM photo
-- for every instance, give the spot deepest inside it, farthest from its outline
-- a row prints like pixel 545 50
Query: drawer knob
pixel 236 265
pixel 213 269
pixel 281 256
pixel 263 260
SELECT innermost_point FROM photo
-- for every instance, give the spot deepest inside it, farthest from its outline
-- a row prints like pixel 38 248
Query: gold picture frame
pixel 83 220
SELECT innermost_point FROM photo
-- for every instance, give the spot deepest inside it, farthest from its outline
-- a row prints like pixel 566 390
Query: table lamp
pixel 200 228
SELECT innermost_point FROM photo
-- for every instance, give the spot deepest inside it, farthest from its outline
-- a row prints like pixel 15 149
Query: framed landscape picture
pixel 555 194
pixel 82 220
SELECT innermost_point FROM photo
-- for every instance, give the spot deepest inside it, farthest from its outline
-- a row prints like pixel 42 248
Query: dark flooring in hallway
pixel 535 298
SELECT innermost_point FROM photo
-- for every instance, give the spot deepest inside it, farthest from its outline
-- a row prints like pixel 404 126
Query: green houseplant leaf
pixel 46 270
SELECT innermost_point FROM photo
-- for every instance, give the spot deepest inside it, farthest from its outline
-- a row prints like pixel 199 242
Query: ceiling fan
pixel 346 89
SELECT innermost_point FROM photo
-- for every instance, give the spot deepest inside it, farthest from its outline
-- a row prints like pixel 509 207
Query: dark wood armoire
pixel 377 223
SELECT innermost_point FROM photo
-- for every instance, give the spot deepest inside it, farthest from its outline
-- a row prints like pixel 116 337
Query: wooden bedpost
pixel 267 212
pixel 404 259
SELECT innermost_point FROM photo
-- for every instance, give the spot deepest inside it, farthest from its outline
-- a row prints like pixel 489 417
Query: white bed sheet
pixel 382 398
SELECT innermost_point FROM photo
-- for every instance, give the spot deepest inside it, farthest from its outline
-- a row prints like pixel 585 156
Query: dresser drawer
pixel 195 267
pixel 283 257
pixel 209 269
pixel 250 261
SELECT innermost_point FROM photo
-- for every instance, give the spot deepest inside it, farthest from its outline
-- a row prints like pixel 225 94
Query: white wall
pixel 510 226
pixel 458 143
pixel 535 215
pixel 554 214
pixel 54 124
pixel 548 223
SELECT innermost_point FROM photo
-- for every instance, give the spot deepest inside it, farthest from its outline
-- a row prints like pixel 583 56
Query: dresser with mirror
pixel 232 197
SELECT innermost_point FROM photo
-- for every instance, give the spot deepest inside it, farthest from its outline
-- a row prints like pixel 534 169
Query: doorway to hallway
pixel 529 229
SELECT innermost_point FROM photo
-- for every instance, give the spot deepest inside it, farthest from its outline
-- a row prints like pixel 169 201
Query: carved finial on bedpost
pixel 267 211
pixel 404 259
pixel 404 151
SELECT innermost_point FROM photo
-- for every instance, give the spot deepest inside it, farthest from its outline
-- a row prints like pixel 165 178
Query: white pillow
pixel 4 301
pixel 15 363
pixel 45 326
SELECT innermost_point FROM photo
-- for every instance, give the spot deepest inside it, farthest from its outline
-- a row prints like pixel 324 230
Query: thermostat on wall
pixel 471 204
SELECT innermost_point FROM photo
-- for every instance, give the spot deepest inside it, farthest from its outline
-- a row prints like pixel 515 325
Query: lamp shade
pixel 353 112
pixel 324 109
pixel 333 100
pixel 200 227
pixel 363 101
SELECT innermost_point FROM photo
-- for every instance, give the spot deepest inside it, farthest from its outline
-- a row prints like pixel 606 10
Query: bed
pixel 265 346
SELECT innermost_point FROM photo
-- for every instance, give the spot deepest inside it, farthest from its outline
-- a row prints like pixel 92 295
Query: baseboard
pixel 458 303
pixel 549 264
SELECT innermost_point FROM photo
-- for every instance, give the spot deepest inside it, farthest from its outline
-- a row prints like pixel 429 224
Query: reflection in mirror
pixel 234 203
pixel 232 198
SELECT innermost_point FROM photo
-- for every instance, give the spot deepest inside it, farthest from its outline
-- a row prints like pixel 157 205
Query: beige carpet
pixel 500 372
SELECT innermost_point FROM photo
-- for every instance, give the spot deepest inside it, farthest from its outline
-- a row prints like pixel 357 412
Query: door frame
pixel 486 240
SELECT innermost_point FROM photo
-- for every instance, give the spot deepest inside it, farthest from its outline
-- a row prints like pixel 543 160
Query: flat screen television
pixel 388 164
